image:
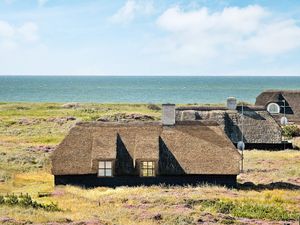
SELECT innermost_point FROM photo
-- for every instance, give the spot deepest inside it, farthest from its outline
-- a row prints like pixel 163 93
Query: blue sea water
pixel 133 89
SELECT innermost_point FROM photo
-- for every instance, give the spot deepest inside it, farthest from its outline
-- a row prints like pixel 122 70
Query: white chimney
pixel 231 103
pixel 168 114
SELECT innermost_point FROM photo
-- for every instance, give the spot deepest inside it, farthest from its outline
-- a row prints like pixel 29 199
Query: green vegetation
pixel 26 201
pixel 291 131
pixel 253 210
pixel 30 131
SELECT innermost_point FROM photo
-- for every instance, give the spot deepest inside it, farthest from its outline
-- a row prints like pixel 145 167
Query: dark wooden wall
pixel 91 180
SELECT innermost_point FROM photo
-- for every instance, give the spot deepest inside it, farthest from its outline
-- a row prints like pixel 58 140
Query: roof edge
pixel 140 124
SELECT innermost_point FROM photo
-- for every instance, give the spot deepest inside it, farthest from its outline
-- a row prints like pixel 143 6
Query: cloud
pixel 131 9
pixel 6 30
pixel 231 34
pixel 11 36
pixel 28 31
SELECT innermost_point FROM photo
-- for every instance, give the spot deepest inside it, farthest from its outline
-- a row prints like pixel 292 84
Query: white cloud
pixel 199 35
pixel 12 36
pixel 28 32
pixel 6 30
pixel 131 9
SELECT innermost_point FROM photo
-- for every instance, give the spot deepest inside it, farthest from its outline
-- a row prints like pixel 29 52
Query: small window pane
pixel 105 169
pixel 108 172
pixel 108 165
pixel 150 173
pixel 101 164
pixel 147 168
pixel 101 172
pixel 144 173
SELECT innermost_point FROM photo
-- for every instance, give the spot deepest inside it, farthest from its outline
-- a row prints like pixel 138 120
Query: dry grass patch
pixel 263 167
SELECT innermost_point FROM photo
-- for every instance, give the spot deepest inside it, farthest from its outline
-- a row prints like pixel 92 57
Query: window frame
pixel 149 169
pixel 273 104
pixel 106 168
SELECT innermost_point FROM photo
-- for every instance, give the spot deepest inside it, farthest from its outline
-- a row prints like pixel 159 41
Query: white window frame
pixel 273 104
pixel 148 166
pixel 105 168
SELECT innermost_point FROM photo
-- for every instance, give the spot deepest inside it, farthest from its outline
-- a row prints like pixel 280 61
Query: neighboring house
pixel 146 153
pixel 258 129
pixel 280 103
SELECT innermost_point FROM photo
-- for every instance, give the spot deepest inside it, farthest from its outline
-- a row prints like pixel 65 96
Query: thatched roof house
pixel 278 101
pixel 112 154
pixel 257 128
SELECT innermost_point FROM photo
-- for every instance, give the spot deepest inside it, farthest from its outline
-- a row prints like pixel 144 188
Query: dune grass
pixel 27 126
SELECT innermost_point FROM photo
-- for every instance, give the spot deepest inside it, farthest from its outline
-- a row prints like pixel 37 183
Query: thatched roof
pixel 186 148
pixel 258 125
pixel 292 98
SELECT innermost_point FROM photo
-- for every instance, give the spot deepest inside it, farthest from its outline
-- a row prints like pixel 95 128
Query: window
pixel 273 108
pixel 147 169
pixel 105 169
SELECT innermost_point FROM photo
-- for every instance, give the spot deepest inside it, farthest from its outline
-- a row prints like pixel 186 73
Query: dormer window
pixel 147 168
pixel 273 108
pixel 105 169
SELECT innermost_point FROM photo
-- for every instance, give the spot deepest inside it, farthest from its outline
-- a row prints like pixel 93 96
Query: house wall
pixel 272 147
pixel 91 180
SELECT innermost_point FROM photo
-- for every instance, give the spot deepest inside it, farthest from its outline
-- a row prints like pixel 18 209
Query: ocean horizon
pixel 139 89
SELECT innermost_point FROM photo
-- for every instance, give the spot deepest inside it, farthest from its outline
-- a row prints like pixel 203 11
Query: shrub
pixel 224 207
pixel 52 207
pixel 8 123
pixel 52 107
pixel 22 108
pixel 153 107
pixel 11 199
pixel 26 201
pixel 290 131
pixel 2 201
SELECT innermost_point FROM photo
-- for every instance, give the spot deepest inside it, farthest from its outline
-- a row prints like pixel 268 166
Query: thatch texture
pixel 292 99
pixel 258 126
pixel 201 149
pixel 78 158
pixel 186 148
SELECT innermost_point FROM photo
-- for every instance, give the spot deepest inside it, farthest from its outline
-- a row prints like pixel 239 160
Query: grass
pixel 27 126
pixel 253 210
pixel 267 166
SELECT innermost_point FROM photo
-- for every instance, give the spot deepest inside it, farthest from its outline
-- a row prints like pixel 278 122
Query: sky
pixel 150 37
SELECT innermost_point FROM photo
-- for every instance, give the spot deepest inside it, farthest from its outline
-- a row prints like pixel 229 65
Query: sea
pixel 140 89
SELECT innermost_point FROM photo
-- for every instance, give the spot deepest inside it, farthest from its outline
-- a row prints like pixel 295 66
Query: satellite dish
pixel 284 121
pixel 241 145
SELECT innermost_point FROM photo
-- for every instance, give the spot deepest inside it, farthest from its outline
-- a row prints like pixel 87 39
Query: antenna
pixel 241 144
pixel 284 121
